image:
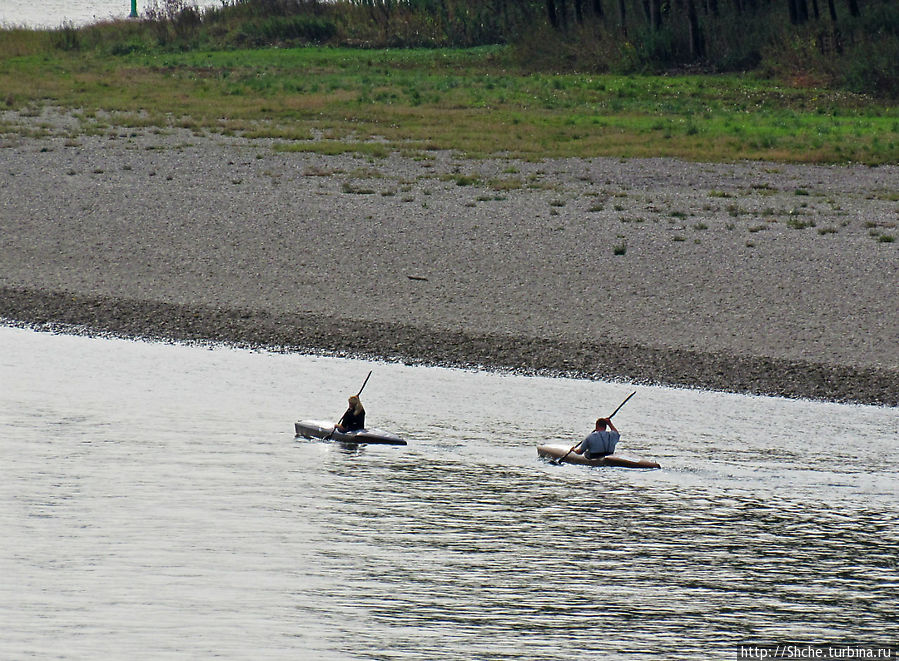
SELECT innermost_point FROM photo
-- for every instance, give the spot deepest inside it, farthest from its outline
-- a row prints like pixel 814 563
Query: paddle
pixel 363 384
pixel 331 433
pixel 560 459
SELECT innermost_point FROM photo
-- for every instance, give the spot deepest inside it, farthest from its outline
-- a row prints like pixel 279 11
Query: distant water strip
pixel 55 13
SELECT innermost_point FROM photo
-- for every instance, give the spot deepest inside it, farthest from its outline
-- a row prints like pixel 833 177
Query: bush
pixel 290 29
pixel 869 64
pixel 67 37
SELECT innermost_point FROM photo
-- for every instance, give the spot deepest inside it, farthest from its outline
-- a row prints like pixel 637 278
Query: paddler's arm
pixel 611 426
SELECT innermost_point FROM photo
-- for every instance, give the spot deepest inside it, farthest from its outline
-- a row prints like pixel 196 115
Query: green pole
pixel 133 9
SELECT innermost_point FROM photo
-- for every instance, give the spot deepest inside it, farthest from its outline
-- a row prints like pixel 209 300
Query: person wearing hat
pixel 354 418
pixel 601 442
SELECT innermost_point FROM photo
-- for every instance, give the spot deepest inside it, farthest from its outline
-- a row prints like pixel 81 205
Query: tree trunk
pixel 656 6
pixel 622 17
pixel 551 13
pixel 853 8
pixel 697 48
pixel 833 10
pixel 579 11
pixel 597 7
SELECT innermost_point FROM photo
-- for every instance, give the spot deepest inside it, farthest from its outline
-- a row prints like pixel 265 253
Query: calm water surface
pixel 155 504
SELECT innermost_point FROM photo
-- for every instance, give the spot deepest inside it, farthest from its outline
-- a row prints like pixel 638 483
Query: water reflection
pixel 155 503
pixel 557 561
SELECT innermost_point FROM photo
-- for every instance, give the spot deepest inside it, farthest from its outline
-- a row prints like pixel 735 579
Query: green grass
pixel 470 100
pixel 799 224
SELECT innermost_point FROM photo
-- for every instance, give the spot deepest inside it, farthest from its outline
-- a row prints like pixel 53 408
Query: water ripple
pixel 186 522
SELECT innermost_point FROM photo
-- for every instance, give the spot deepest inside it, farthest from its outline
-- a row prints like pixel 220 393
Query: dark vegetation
pixel 847 44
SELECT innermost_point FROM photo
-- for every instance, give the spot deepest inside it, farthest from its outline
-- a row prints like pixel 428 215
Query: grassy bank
pixel 476 101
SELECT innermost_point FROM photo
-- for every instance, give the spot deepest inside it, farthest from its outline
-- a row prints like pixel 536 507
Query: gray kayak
pixel 323 429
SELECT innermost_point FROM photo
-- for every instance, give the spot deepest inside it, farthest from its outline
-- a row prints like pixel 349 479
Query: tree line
pixel 852 44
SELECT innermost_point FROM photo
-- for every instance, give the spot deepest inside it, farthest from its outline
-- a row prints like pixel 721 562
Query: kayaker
pixel 601 442
pixel 354 418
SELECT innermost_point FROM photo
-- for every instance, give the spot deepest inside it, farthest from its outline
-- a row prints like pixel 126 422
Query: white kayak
pixel 325 430
pixel 619 459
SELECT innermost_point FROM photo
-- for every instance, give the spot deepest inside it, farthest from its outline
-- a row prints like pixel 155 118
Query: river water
pixel 155 504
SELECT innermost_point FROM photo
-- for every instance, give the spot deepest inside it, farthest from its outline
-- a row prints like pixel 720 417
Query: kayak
pixel 323 429
pixel 619 459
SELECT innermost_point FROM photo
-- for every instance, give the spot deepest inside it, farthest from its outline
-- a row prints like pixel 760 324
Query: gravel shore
pixel 748 277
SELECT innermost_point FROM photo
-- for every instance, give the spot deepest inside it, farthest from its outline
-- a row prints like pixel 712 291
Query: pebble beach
pixel 747 277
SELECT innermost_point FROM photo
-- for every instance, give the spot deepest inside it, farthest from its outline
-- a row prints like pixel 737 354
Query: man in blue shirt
pixel 600 442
